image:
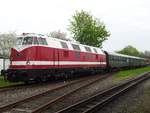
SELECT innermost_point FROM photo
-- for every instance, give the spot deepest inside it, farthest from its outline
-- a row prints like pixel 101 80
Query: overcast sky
pixel 127 20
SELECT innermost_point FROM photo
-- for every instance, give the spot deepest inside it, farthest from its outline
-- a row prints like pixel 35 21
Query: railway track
pixel 41 102
pixel 96 102
pixel 23 85
pixel 20 86
pixel 6 88
pixel 31 85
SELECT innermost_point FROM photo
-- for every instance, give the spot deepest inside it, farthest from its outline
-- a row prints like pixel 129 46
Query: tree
pixel 58 34
pixel 88 30
pixel 129 50
pixel 7 41
pixel 145 54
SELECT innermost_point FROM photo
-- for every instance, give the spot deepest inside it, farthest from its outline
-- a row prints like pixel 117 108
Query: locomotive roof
pixel 122 55
pixel 69 43
pixel 56 43
pixel 32 35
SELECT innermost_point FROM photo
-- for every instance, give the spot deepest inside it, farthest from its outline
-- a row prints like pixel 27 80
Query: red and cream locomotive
pixel 38 57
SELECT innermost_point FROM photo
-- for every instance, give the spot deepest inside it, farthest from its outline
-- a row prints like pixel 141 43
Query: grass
pixel 4 83
pixel 131 73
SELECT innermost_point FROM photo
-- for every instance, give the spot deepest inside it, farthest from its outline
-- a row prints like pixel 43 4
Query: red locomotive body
pixel 37 57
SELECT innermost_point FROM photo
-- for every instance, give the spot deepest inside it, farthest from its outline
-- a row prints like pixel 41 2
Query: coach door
pixel 56 58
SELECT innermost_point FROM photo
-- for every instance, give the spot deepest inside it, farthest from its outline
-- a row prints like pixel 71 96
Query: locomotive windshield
pixel 35 41
pixel 27 40
pixel 42 41
pixel 31 40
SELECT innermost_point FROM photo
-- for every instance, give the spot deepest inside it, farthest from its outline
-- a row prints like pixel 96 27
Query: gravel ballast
pixel 101 85
pixel 13 95
pixel 137 100
pixel 84 93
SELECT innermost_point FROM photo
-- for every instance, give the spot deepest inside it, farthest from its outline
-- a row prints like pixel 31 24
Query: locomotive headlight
pixel 28 62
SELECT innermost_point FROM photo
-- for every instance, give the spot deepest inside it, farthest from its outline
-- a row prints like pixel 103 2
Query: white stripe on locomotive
pixel 55 63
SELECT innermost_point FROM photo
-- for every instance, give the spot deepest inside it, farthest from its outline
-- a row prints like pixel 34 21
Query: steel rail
pixel 46 106
pixel 13 104
pixel 18 102
pixel 6 88
pixel 20 86
pixel 96 102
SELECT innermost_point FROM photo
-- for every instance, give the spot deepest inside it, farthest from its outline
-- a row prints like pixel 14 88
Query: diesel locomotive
pixel 37 57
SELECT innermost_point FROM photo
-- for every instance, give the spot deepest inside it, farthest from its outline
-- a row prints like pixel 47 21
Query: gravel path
pixel 136 100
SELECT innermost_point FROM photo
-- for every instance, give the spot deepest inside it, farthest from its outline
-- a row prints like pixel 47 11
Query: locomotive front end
pixel 21 59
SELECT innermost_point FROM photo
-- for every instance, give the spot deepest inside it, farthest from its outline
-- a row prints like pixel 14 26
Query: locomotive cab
pixel 25 50
pixel 23 55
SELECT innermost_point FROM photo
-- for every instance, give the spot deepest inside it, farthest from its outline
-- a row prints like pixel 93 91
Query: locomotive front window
pixel 19 41
pixel 42 41
pixel 27 40
pixel 35 41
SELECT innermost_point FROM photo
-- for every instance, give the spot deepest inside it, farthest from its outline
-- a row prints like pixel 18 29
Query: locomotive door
pixel 56 58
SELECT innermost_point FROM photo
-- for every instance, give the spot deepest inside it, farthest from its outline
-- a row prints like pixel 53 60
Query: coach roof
pixel 122 55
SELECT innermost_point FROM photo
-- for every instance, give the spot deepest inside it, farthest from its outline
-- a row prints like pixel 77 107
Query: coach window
pixel 119 58
pixel 124 59
pixel 27 40
pixel 35 41
pixel 76 47
pixel 87 49
pixel 64 45
pixel 113 58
